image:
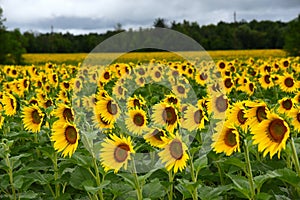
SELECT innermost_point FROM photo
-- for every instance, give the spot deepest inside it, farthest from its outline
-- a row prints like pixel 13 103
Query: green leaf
pixel 241 184
pixel 42 178
pixel 153 190
pixel 235 161
pixel 79 176
pixel 28 195
pixel 263 196
pixel 18 181
pixel 200 163
pixel 288 176
pixel 82 160
pixel 128 178
pixel 92 189
pixel 210 193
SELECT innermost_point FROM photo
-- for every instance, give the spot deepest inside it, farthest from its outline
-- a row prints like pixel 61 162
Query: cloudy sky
pixel 83 16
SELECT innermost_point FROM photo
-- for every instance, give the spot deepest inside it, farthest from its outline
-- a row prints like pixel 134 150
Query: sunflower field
pixel 160 129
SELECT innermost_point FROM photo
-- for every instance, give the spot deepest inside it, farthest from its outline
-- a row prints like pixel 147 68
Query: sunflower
pixel 156 75
pixel 226 139
pixel 201 78
pixel 221 65
pixel 180 90
pixel 295 115
pixel 266 81
pixel 116 152
pixel 136 101
pixel 32 118
pixel 219 105
pixel 174 154
pixel 64 112
pixel 101 123
pixel 237 115
pixel 228 84
pixel 194 118
pixel 288 83
pixel 172 99
pixel 136 121
pixel 154 137
pixel 249 88
pixel 108 109
pixel 271 135
pixel 286 105
pixel 297 98
pixel 65 137
pixel 10 104
pixel 105 76
pixel 256 113
pixel 140 81
pixel 119 91
pixel 165 115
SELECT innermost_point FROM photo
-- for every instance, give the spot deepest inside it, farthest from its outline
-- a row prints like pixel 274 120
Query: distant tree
pixel 11 48
pixel 292 37
pixel 160 23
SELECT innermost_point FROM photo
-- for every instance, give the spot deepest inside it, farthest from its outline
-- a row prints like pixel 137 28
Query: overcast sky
pixel 83 16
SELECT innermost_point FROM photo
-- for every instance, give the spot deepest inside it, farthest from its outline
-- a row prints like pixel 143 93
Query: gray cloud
pixel 87 15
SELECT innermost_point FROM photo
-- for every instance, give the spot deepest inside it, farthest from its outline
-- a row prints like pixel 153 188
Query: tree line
pixel 222 36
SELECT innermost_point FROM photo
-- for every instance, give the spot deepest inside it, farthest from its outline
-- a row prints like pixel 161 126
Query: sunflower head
pixel 115 152
pixel 271 135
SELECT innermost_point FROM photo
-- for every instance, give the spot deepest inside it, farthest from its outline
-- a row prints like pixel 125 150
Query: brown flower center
pixel 71 134
pixel 241 117
pixel 36 118
pixel 121 152
pixel 12 103
pixel 180 89
pixel 230 138
pixel 136 102
pixel 112 108
pixel 261 113
pixel 66 85
pixel 251 87
pixel 176 150
pixel 298 117
pixel 106 75
pixel 222 65
pixel 228 83
pixel 67 114
pixel 138 119
pixel 286 63
pixel 157 74
pixel 203 76
pixel 173 100
pixel 158 134
pixel 267 79
pixel 287 104
pixel 198 116
pixel 276 130
pixel 289 82
pixel 221 104
pixel 78 84
pixel 169 115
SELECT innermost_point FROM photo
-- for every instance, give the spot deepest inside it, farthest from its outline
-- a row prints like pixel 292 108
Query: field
pixel 151 126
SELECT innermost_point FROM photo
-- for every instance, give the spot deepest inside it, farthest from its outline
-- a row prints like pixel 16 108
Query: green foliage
pixel 292 39
pixel 11 44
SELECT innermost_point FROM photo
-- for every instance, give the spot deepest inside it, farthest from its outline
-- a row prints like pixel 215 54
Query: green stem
pixel 249 170
pixel 36 141
pixel 221 173
pixel 194 176
pixel 11 178
pixel 171 177
pixel 137 183
pixel 98 180
pixel 295 157
pixel 57 189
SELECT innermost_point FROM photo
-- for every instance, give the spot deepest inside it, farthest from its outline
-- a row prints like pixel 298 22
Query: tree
pixel 160 23
pixel 11 44
pixel 292 38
